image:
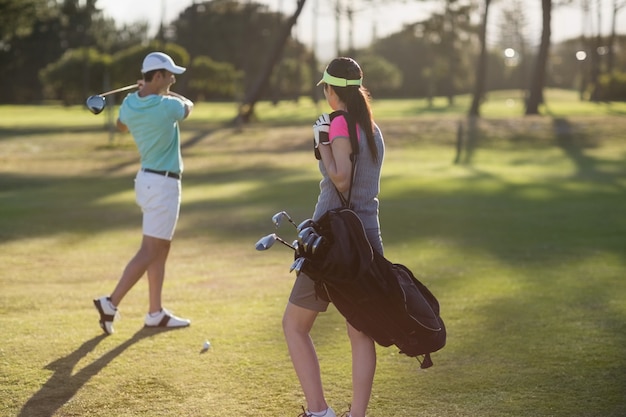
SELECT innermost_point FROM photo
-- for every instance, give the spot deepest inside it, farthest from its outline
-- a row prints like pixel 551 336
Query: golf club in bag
pixel 306 240
pixel 97 103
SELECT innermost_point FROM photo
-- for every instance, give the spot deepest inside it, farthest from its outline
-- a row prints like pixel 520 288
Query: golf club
pixel 296 246
pixel 276 218
pixel 304 233
pixel 97 103
pixel 307 223
pixel 297 265
pixel 308 241
pixel 318 242
pixel 268 241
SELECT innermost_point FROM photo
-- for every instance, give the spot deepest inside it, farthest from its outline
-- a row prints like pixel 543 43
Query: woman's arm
pixel 336 159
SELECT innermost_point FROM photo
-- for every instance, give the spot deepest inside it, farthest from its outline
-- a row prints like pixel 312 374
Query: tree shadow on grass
pixel 573 143
pixel 63 384
pixel 554 347
pixel 10 133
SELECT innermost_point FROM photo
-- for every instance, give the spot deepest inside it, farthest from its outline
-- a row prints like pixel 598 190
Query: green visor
pixel 338 82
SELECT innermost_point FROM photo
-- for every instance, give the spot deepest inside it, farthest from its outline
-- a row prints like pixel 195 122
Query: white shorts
pixel 159 198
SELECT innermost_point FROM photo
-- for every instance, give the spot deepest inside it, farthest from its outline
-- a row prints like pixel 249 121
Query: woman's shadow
pixel 62 385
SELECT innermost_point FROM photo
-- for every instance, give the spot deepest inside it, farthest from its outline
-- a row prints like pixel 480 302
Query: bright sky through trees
pixel 368 20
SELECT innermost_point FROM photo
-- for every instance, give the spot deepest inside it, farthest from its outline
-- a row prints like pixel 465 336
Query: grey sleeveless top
pixel 365 188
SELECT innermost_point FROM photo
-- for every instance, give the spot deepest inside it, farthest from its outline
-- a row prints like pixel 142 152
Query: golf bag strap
pixel 354 142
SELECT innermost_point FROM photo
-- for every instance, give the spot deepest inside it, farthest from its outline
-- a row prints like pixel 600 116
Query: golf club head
pixel 317 244
pixel 306 223
pixel 266 242
pixel 304 233
pixel 296 246
pixel 96 104
pixel 277 218
pixel 308 241
pixel 297 265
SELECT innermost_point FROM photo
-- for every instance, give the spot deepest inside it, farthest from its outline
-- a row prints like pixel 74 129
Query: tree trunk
pixel 451 55
pixel 535 96
pixel 596 58
pixel 481 67
pixel 246 110
pixel 611 43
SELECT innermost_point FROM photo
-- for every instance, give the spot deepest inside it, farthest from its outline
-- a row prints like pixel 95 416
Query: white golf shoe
pixel 329 413
pixel 108 313
pixel 165 319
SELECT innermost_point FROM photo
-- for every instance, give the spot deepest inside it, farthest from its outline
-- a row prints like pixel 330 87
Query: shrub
pixel 612 87
pixel 213 80
pixel 77 74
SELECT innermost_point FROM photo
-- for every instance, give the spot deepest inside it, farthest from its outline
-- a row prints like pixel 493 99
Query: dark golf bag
pixel 382 299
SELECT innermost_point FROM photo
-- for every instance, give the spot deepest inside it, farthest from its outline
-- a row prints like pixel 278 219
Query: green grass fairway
pixel 523 242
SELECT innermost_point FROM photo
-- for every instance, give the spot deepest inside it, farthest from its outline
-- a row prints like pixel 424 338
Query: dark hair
pixel 357 98
pixel 148 76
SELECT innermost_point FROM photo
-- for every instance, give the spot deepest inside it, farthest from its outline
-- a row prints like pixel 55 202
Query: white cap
pixel 159 60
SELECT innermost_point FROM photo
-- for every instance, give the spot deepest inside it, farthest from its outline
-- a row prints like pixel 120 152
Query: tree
pixel 246 110
pixel 17 18
pixel 595 56
pixel 383 77
pixel 512 44
pixel 62 78
pixel 235 32
pixel 111 39
pixel 617 6
pixel 408 51
pixel 23 57
pixel 213 80
pixel 535 93
pixel 481 66
pixel 444 33
pixel 227 31
pixel 35 33
pixel 290 79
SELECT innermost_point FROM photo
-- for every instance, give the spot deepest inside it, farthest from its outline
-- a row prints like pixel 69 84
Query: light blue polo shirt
pixel 153 122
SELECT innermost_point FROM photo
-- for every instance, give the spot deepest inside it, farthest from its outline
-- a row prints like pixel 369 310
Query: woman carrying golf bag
pixel 343 88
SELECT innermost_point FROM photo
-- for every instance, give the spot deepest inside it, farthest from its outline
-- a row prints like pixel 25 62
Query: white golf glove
pixel 320 130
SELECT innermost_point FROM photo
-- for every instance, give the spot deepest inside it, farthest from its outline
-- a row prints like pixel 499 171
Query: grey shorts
pixel 303 291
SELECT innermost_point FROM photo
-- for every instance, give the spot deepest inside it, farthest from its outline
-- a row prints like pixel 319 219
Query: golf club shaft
pixel 284 242
pixel 117 90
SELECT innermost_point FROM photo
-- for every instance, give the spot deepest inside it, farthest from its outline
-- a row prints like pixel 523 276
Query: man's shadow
pixel 62 385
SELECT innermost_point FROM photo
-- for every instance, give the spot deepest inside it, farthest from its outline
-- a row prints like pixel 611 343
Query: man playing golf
pixel 152 115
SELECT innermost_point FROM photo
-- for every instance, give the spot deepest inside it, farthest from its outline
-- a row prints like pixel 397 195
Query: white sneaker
pixel 108 313
pixel 329 413
pixel 165 319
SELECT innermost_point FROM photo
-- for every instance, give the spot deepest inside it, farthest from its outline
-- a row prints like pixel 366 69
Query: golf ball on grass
pixel 206 345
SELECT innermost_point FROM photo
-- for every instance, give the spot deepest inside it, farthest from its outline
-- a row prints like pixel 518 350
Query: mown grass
pixel 523 241
pixel 498 105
